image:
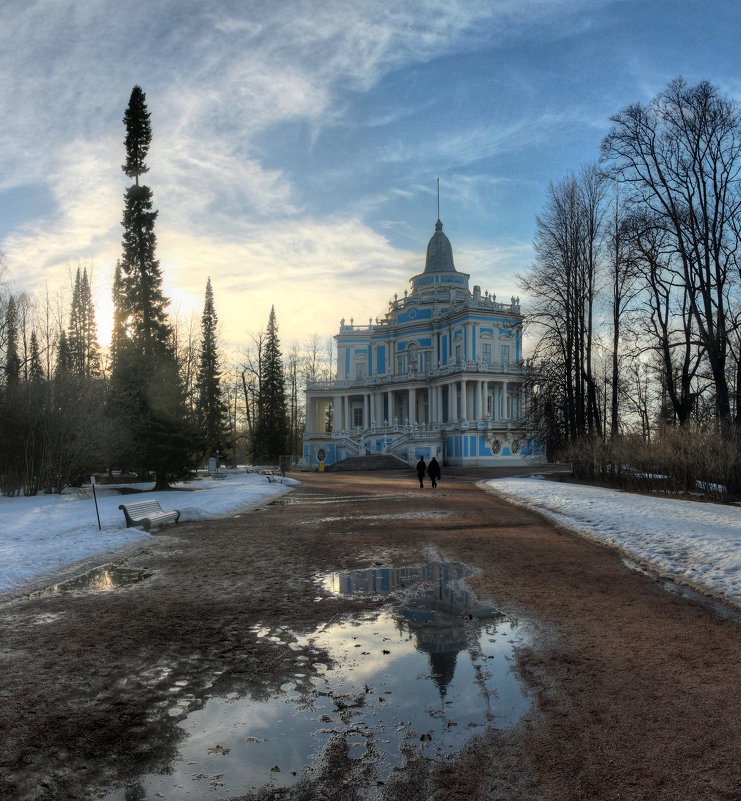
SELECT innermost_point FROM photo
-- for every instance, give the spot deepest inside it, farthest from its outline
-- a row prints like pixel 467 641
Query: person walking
pixel 433 471
pixel 421 467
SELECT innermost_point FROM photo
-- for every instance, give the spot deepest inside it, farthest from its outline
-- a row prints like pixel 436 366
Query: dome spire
pixel 439 252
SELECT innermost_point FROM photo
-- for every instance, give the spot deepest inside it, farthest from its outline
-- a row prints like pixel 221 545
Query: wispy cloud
pixel 227 84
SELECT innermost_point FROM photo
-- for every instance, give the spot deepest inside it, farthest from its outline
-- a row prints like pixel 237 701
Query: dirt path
pixel 637 692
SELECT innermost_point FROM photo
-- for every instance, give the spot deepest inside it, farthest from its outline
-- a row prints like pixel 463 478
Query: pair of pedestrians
pixel 433 471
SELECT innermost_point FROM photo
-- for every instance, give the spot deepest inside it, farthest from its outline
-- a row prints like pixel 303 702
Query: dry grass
pixel 677 462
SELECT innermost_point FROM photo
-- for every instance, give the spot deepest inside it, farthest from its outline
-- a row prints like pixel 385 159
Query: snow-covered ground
pixel 698 544
pixel 43 534
pixel 693 543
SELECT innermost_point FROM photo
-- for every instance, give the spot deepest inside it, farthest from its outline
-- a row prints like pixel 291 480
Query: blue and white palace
pixel 440 376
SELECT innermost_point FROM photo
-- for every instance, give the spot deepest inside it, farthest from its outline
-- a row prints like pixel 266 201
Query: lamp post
pixel 217 463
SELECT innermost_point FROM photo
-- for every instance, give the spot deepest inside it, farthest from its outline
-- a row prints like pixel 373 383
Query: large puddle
pixel 428 671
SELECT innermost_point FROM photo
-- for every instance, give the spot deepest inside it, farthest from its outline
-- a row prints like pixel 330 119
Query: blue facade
pixel 439 374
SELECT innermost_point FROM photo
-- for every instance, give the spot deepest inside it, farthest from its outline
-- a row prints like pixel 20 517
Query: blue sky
pixel 296 145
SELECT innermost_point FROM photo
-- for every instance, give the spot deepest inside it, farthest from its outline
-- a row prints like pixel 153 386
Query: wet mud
pixel 363 639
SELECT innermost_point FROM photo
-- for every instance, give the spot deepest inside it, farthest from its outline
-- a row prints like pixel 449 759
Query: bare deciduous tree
pixel 679 159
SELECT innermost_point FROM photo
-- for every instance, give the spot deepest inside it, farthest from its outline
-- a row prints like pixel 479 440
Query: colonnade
pixel 466 400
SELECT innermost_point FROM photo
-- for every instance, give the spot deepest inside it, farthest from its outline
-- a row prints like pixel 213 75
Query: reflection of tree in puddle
pixel 102 579
pixel 435 608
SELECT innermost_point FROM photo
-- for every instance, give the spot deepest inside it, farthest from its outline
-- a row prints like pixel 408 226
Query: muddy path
pixel 632 692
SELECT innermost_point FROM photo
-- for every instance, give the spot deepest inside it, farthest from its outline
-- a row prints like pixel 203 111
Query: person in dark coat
pixel 421 467
pixel 433 471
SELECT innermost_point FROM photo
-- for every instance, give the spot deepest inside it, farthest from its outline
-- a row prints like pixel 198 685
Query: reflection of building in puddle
pixel 436 614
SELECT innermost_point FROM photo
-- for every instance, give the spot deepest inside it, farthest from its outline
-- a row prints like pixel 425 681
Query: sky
pixel 296 145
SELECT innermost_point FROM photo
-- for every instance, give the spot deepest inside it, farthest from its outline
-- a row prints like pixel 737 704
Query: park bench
pixel 147 514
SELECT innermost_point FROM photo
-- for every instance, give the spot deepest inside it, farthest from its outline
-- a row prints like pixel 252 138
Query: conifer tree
pixel 11 409
pixel 36 371
pixel 12 360
pixel 142 277
pixel 83 337
pixel 212 411
pixel 118 333
pixel 146 392
pixel 65 361
pixel 270 438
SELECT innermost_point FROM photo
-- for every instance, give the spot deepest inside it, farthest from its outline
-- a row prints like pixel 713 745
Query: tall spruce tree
pixel 12 360
pixel 212 412
pixel 36 370
pixel 142 277
pixel 118 334
pixel 146 391
pixel 270 437
pixel 83 335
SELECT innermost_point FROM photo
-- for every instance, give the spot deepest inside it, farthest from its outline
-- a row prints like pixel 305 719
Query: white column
pixel 347 422
pixel 390 417
pixel 439 404
pixel 366 419
pixel 464 410
pixel 505 416
pixel 412 406
pixel 337 413
pixel 453 402
pixel 310 413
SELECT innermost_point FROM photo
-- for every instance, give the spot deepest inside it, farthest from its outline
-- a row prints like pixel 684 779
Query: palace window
pixel 360 371
pixel 505 354
pixel 486 352
pixel 400 364
pixel 357 417
pixel 427 359
pixel 413 357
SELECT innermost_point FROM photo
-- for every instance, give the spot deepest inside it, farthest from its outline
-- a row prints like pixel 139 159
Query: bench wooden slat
pixel 147 513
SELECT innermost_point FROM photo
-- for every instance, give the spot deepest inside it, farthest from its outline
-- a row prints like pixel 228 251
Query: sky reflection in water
pixel 433 670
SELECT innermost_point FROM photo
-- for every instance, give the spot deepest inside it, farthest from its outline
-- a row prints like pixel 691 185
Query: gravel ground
pixel 635 691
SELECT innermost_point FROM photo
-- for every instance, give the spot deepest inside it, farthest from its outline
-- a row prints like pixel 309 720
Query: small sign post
pixel 92 482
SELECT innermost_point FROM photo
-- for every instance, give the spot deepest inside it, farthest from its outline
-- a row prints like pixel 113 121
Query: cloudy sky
pixel 296 144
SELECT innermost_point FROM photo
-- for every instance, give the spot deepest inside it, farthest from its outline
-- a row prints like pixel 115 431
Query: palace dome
pixel 439 253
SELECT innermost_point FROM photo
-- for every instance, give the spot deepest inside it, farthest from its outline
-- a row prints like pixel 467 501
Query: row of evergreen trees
pixel 60 423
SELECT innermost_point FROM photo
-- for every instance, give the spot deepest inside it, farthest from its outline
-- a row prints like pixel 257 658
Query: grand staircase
pixel 378 461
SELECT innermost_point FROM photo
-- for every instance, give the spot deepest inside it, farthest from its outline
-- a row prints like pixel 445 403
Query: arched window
pixel 413 357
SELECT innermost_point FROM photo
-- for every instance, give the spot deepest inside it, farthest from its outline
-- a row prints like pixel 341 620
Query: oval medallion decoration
pixel 496 446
